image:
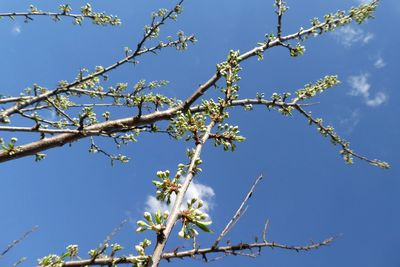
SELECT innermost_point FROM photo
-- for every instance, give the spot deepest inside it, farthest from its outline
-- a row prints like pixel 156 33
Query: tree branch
pixel 173 216
pixel 17 241
pixel 120 124
pixel 139 51
pixel 237 214
pixel 227 250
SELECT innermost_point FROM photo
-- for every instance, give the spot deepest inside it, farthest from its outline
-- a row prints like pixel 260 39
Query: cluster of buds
pixel 157 224
pixel 191 217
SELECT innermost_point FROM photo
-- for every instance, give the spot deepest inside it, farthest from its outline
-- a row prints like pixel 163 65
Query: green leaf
pixel 203 226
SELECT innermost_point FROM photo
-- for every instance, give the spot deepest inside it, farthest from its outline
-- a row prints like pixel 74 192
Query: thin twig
pixel 337 140
pixel 103 246
pixel 19 240
pixel 279 5
pixel 264 235
pixel 238 213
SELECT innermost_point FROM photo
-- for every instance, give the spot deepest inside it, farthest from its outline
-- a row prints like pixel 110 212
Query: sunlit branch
pixel 226 250
pixel 120 124
pixel 173 216
pixel 29 15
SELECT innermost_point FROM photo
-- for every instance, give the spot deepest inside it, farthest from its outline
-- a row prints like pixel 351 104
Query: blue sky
pixel 308 192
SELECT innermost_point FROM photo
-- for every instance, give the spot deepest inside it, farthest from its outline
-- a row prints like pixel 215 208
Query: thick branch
pixel 112 126
pixel 105 127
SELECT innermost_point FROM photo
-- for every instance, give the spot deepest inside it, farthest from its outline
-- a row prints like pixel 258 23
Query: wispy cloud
pixel 363 1
pixel 195 190
pixel 50 115
pixel 350 35
pixel 361 87
pixel 379 63
pixel 351 121
pixel 16 29
pixel 378 100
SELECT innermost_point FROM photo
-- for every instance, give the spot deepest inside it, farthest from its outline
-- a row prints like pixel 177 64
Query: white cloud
pixel 16 29
pixel 379 63
pixel 378 100
pixel 367 37
pixel 152 205
pixel 203 192
pixel 361 87
pixel 349 35
pixel 195 190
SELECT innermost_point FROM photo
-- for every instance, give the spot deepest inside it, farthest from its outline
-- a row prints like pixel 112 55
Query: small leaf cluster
pixel 65 9
pixel 297 50
pixel 187 124
pixel 142 85
pixel 193 217
pixel 53 260
pixel 157 224
pixel 333 20
pixel 229 69
pixel 98 18
pixel 121 158
pixel 183 41
pixel 284 109
pixel 214 110
pixel 159 17
pixel 115 248
pixel 226 136
pixel 39 156
pixel 281 5
pixel 86 117
pixel 33 9
pixel 92 83
pixel 141 261
pixel 363 12
pixel 142 246
pixel 10 147
pixel 320 86
pixel 156 100
pixel 196 169
pixel 166 187
pixel 72 252
pixel 100 251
